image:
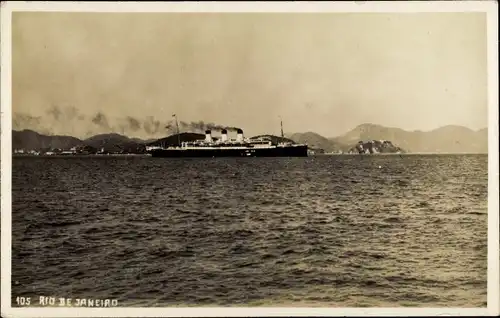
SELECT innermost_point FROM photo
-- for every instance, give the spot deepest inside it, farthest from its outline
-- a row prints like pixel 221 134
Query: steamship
pixel 226 147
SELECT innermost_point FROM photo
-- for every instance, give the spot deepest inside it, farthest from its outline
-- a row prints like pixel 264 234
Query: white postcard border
pixel 491 7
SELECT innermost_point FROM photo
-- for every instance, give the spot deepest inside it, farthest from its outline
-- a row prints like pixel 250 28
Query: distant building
pixel 315 151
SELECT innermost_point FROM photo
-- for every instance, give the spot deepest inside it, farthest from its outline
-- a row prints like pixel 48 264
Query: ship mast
pixel 282 135
pixel 178 132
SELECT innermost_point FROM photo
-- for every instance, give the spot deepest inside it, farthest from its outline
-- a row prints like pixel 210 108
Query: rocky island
pixel 374 147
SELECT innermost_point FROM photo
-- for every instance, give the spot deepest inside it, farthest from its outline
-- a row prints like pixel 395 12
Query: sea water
pixel 327 231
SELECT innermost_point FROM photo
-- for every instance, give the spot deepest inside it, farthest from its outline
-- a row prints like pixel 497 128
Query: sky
pixel 85 73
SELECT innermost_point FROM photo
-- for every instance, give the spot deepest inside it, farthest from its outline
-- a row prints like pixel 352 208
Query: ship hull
pixel 298 151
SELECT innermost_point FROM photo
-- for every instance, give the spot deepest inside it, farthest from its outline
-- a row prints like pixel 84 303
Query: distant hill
pixel 104 139
pixel 115 143
pixel 112 143
pixel 274 139
pixel 447 139
pixel 316 141
pixel 31 140
pixel 142 141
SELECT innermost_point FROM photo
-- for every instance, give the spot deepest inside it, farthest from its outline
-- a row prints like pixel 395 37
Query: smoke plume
pixel 100 120
pixel 133 123
pixel 69 121
pixel 201 126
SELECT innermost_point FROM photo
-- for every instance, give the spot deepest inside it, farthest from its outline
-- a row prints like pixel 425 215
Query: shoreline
pixel 402 154
pixel 82 155
pixel 313 155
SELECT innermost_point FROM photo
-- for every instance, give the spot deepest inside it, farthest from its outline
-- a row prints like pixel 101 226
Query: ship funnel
pixel 224 135
pixel 208 136
pixel 239 136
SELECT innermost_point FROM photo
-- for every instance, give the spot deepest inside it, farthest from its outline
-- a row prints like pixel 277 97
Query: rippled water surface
pixel 319 231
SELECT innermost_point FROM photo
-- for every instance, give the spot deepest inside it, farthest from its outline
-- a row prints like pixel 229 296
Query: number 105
pixel 23 301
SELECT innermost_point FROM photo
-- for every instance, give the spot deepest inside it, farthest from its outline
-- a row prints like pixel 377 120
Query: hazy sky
pixel 326 72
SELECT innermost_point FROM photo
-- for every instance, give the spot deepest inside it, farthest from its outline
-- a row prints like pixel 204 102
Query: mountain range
pixel 447 139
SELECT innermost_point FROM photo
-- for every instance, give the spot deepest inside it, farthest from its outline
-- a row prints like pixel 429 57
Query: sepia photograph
pixel 260 158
